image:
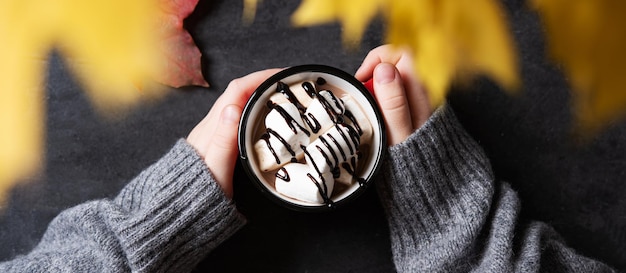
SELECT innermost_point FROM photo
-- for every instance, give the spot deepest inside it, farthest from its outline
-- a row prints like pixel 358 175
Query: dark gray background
pixel 576 187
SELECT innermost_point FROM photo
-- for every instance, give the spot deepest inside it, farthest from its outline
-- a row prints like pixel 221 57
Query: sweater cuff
pixel 438 173
pixel 177 213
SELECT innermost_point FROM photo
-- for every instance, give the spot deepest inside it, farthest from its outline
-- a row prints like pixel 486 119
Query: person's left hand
pixel 215 137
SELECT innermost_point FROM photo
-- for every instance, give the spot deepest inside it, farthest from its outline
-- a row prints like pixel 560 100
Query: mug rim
pixel 257 94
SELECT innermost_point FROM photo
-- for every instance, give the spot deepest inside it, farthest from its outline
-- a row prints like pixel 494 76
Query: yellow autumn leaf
pixel 450 38
pixel 454 39
pixel 355 16
pixel 589 37
pixel 20 112
pixel 249 11
pixel 110 43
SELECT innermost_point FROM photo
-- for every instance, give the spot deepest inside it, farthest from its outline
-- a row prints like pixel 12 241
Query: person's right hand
pixel 215 137
pixel 397 89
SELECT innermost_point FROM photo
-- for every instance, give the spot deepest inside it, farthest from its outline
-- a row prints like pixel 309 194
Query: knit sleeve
pixel 165 220
pixel 446 213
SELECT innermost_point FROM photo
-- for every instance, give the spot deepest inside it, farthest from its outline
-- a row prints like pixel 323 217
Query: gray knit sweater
pixel 445 211
pixel 447 214
pixel 165 220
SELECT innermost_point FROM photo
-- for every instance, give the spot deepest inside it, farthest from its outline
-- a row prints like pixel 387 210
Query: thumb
pixel 221 154
pixel 391 97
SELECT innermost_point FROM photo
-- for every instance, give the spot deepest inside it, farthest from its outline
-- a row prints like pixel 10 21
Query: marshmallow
pixel 285 134
pixel 355 116
pixel 324 111
pixel 335 151
pixel 300 94
pixel 299 181
pixel 312 141
pixel 329 150
pixel 347 171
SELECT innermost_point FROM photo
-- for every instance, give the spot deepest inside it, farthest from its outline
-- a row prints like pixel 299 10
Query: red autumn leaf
pixel 183 65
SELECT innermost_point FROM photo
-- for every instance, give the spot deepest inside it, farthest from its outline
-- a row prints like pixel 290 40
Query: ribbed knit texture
pixel 165 220
pixel 445 211
pixel 447 214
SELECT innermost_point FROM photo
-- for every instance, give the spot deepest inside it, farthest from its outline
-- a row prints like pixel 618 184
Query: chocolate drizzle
pixel 331 150
pixel 343 154
pixel 334 115
pixel 284 89
pixel 309 89
pixel 354 136
pixel 351 169
pixel 345 138
pixel 319 149
pixel 283 175
pixel 290 120
pixel 349 133
pixel 313 123
pixel 322 190
pixel 266 137
pixel 321 185
pixel 354 122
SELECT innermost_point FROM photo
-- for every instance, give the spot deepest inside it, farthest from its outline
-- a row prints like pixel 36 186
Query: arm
pixel 166 219
pixel 448 214
pixel 445 210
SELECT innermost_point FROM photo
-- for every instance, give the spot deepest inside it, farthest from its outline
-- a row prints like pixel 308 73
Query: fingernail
pixel 384 73
pixel 230 114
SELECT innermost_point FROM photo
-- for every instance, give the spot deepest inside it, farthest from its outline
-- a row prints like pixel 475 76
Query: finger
pixel 222 148
pixel 391 97
pixel 381 54
pixel 419 103
pixel 239 91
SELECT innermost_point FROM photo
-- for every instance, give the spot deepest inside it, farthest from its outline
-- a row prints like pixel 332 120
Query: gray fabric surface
pixel 577 188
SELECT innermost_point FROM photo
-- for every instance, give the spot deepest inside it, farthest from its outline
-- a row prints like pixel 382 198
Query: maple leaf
pixel 183 65
pixel 451 39
pixel 589 38
pixel 113 47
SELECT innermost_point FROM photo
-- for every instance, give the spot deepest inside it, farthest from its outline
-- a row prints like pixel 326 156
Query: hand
pixel 215 137
pixel 397 89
